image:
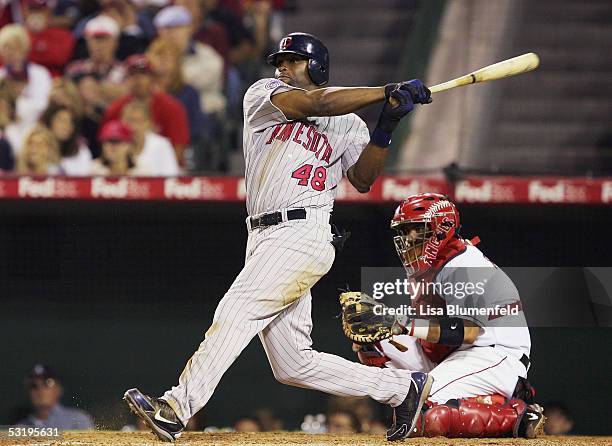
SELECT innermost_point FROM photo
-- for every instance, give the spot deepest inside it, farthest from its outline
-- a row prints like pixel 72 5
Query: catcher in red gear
pixel 479 361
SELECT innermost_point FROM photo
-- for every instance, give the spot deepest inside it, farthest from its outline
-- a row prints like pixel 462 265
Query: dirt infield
pixel 109 438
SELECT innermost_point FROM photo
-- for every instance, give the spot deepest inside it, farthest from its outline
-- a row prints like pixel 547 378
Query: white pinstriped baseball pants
pixel 271 297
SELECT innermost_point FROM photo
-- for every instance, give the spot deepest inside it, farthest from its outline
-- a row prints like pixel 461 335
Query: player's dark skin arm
pixel 339 101
pixel 368 167
pixel 332 101
pixel 316 101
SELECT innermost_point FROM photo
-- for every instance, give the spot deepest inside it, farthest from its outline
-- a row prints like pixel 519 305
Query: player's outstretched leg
pixel 288 345
pixel 272 279
pixel 156 413
pixel 405 415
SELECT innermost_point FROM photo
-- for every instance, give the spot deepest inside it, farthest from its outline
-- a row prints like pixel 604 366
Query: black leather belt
pixel 274 218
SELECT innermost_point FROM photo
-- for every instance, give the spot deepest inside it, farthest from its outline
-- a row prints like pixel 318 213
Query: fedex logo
pixel 29 187
pixel 546 194
pixel 103 188
pixel 465 191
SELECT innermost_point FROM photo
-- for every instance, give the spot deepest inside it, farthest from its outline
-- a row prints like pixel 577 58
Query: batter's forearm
pixel 335 101
pixel 368 167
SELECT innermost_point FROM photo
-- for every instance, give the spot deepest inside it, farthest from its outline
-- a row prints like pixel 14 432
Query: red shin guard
pixel 469 419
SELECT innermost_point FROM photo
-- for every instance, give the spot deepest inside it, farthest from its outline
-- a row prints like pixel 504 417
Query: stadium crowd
pixel 127 87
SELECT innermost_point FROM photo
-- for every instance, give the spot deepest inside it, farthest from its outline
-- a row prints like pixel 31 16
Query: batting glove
pixel 390 117
pixel 418 90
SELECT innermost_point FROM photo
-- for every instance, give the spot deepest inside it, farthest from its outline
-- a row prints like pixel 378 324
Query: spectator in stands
pixel 152 152
pixel 10 12
pixel 39 154
pixel 342 422
pixel 16 81
pixel 257 15
pixel 87 104
pixel 361 408
pixel 206 30
pixel 135 28
pixel 94 107
pixel 64 124
pixel 559 420
pixel 165 59
pixel 31 81
pixel 202 65
pixel 247 424
pixel 117 146
pixel 242 41
pixel 8 100
pixel 267 420
pixel 67 13
pixel 50 47
pixel 169 116
pixel 102 38
pixel 65 92
pixel 150 5
pixel 46 391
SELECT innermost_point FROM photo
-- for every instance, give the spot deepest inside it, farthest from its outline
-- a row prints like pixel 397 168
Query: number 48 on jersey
pixel 316 180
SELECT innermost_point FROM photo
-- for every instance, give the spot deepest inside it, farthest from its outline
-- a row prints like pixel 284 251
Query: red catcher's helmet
pixel 424 224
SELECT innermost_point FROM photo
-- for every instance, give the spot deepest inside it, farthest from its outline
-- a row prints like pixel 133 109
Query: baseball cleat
pixel 532 423
pixel 405 415
pixel 156 413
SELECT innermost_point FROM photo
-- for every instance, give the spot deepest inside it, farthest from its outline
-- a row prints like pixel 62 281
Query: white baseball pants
pixel 271 297
pixel 476 371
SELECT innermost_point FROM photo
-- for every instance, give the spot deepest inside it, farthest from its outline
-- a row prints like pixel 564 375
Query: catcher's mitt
pixel 364 326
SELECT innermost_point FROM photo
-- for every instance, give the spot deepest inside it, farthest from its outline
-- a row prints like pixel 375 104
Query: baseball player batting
pixel 478 359
pixel 299 141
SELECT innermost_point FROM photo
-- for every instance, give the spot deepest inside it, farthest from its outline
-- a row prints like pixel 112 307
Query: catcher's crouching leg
pixel 468 419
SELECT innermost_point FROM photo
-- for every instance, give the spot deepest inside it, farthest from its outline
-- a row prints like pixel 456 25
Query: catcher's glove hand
pixel 362 325
pixel 370 355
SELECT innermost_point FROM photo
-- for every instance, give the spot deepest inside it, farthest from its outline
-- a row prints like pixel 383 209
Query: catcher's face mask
pixel 409 242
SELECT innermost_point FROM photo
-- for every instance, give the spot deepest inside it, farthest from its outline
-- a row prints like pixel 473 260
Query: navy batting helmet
pixel 310 47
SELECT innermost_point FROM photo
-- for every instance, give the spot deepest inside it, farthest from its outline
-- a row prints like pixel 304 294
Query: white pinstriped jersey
pixel 293 164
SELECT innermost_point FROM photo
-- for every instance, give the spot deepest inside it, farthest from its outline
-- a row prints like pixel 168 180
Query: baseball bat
pixel 505 68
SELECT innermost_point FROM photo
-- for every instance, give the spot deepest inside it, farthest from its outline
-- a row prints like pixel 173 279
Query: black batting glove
pixel 418 90
pixel 390 116
pixel 389 88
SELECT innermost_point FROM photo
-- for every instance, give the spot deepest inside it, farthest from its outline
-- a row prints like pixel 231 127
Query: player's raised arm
pixel 302 61
pixel 332 101
pixel 372 160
